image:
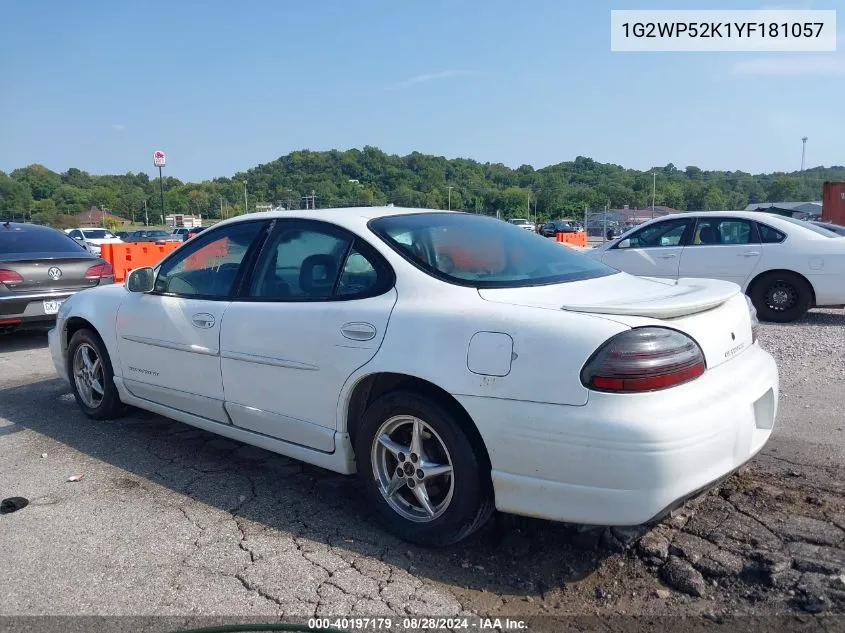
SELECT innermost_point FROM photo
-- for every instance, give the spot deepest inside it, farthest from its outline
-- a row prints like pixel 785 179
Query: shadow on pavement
pixel 510 556
pixel 23 341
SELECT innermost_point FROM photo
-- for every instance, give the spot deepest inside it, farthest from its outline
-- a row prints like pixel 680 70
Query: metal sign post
pixel 160 160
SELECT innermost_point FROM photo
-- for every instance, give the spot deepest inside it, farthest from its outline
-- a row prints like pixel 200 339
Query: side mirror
pixel 626 243
pixel 79 239
pixel 141 280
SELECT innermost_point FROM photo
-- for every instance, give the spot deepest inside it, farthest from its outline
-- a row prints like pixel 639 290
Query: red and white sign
pixel 159 159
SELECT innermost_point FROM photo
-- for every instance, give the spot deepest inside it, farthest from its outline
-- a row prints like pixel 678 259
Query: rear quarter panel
pixel 429 339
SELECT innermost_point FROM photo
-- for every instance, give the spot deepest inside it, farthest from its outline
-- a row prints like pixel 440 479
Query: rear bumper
pixel 36 310
pixel 624 459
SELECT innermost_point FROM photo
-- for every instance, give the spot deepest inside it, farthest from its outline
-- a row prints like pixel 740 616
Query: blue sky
pixel 223 86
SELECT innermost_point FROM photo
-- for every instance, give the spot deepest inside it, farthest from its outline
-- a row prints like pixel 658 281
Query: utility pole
pixel 450 196
pixel 146 215
pixel 221 207
pixel 803 150
pixel 585 220
pixel 653 191
pixel 310 200
pixel 246 204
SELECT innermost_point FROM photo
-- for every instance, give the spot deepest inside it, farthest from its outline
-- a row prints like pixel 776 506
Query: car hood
pixel 622 294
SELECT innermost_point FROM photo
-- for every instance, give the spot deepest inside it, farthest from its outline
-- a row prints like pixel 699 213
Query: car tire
pixel 90 371
pixel 781 297
pixel 459 502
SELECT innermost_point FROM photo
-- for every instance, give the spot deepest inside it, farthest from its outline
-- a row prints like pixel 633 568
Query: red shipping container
pixel 833 202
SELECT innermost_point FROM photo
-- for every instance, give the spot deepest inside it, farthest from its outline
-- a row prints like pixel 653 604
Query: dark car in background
pixel 551 229
pixel 40 267
pixel 148 235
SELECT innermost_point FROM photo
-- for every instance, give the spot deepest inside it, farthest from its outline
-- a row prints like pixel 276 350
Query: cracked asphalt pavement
pixel 171 520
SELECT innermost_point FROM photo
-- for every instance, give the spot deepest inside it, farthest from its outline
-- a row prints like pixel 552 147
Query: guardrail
pixel 126 257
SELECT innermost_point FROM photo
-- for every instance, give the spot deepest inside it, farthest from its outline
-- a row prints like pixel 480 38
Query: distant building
pixel 182 220
pixel 98 217
pixel 798 210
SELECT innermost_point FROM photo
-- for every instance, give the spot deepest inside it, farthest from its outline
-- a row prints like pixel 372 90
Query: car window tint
pixel 36 239
pixel 714 231
pixel 768 235
pixel 667 233
pixel 359 276
pixel 299 262
pixel 208 267
pixel 482 252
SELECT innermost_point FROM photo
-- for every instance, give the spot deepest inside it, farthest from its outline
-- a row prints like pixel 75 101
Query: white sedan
pixel 93 238
pixel 457 363
pixel 786 266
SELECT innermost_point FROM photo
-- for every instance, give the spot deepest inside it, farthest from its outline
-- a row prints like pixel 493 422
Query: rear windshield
pixel 25 239
pixel 482 252
pixel 809 226
pixel 97 234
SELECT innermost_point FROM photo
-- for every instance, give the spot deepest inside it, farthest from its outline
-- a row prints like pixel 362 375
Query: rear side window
pixel 25 239
pixel 768 235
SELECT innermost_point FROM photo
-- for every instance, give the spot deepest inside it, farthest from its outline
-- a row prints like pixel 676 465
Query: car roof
pixel 347 217
pixel 12 225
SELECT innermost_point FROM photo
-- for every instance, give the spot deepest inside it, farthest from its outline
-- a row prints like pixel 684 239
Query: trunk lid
pixel 713 312
pixel 39 272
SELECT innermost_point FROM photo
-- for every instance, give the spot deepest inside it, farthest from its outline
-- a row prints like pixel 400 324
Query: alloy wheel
pixel 413 468
pixel 88 375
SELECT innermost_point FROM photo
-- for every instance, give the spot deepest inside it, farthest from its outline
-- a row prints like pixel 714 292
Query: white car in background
pixel 457 363
pixel 522 223
pixel 93 238
pixel 785 266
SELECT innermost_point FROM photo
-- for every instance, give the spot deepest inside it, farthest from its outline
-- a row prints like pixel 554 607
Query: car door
pixel 725 248
pixel 653 251
pixel 169 339
pixel 316 310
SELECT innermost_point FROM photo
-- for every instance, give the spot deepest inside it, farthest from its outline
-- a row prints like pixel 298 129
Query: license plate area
pixel 51 306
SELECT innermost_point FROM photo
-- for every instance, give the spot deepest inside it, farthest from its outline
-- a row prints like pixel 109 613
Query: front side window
pixel 306 261
pixel 209 267
pixel 482 252
pixel 725 231
pixel 666 233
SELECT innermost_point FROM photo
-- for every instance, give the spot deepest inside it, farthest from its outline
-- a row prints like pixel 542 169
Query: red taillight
pixel 644 359
pixel 100 270
pixel 9 277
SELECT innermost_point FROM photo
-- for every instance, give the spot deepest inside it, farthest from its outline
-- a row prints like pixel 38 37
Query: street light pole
pixel 245 198
pixel 450 196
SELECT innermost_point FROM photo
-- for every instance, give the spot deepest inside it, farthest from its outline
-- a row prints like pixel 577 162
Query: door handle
pixel 358 331
pixel 749 254
pixel 669 256
pixel 203 321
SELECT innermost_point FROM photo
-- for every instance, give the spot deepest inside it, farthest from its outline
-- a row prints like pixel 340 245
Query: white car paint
pixel 93 244
pixel 816 257
pixel 522 223
pixel 282 375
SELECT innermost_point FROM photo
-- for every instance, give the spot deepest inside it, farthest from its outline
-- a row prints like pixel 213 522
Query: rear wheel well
pixel 371 388
pixel 750 287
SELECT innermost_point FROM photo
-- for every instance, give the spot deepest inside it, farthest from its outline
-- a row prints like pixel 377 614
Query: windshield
pixel 519 222
pixel 809 226
pixel 98 234
pixel 478 251
pixel 25 239
pixel 154 234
